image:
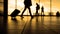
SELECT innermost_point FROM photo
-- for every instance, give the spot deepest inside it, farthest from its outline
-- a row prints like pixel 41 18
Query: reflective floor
pixel 26 25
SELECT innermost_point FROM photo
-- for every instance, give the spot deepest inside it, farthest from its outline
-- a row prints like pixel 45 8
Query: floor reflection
pixel 26 25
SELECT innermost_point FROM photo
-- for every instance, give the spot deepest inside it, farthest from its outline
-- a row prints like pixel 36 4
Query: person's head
pixel 57 11
pixel 36 3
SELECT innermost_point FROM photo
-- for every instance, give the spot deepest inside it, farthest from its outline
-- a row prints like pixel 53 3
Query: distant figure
pixel 50 13
pixel 57 14
pixel 37 8
pixel 27 4
pixel 42 10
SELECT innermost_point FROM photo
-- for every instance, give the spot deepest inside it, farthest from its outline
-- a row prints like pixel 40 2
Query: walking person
pixel 27 4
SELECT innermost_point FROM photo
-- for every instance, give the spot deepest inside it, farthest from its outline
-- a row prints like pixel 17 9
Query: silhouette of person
pixel 27 4
pixel 42 10
pixel 57 13
pixel 37 8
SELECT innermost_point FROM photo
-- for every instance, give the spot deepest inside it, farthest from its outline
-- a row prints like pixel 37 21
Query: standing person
pixel 37 8
pixel 42 10
pixel 27 4
pixel 57 13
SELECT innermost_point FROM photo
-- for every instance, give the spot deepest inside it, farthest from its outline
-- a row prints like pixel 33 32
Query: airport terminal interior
pixel 46 23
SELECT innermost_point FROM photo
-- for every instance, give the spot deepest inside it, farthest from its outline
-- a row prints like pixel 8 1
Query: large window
pixel 55 6
pixel 52 6
pixel 20 6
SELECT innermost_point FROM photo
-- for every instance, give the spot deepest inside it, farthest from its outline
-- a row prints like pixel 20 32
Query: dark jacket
pixel 37 7
pixel 27 3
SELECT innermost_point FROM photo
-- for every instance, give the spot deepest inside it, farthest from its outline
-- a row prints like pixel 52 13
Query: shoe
pixel 21 16
pixel 32 17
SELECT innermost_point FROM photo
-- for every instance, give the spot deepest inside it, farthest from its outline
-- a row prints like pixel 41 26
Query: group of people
pixel 27 4
pixel 37 8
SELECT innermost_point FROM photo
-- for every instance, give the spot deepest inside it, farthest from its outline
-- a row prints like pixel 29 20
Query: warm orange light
pixel 20 6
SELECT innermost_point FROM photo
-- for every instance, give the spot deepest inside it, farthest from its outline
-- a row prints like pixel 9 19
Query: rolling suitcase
pixel 15 13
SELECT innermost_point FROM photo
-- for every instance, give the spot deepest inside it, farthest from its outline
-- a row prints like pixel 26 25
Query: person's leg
pixel 41 13
pixel 23 11
pixel 30 11
pixel 36 12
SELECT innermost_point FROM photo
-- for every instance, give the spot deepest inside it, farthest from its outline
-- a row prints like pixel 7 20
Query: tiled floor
pixel 26 25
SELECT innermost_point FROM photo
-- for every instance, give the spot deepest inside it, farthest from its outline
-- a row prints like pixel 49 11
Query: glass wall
pixel 55 6
pixel 20 6
pixel 46 5
pixel 52 6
